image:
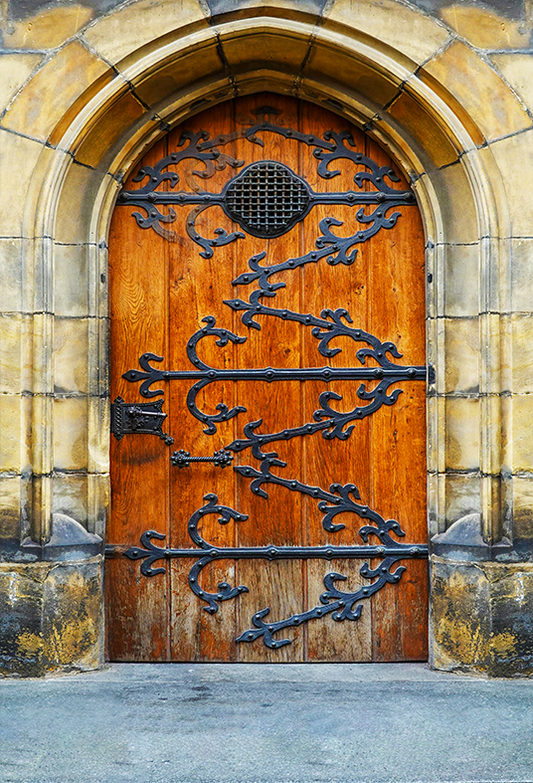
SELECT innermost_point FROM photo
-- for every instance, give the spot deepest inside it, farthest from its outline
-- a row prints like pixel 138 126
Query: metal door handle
pixel 220 459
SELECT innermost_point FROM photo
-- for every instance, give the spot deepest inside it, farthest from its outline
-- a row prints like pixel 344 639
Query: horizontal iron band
pixel 347 198
pixel 275 552
pixel 299 374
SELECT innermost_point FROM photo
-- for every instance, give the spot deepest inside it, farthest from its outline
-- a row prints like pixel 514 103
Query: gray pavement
pixel 218 723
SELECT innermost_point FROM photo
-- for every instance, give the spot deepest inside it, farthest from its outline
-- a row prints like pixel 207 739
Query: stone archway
pixel 169 77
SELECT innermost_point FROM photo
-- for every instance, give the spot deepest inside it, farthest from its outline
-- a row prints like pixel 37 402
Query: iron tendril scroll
pixel 333 146
pixel 342 605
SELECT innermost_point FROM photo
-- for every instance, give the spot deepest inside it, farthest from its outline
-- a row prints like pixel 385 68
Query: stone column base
pixel 51 617
pixel 482 617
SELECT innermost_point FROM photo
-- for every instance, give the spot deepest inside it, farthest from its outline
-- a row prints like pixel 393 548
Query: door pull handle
pixel 220 459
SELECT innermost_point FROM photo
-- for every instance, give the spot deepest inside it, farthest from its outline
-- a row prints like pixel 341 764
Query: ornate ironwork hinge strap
pixel 266 198
pixel 342 605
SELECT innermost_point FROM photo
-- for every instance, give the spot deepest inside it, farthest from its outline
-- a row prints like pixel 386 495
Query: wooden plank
pixel 198 287
pixel 334 461
pixel 398 432
pixel 278 520
pixel 137 606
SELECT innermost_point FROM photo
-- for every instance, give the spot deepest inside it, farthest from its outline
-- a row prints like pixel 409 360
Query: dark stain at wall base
pixel 50 617
pixel 482 617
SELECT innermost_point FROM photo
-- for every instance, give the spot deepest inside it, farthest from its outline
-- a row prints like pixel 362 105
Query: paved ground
pixel 182 723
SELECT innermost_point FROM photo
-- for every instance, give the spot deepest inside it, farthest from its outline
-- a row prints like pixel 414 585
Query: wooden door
pixel 267 265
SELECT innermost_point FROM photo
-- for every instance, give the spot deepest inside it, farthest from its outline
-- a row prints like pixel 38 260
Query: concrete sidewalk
pixel 214 723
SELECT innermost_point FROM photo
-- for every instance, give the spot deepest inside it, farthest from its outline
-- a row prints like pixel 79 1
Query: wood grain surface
pixel 160 292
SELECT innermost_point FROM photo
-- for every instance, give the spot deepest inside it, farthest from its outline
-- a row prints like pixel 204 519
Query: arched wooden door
pixel 267 265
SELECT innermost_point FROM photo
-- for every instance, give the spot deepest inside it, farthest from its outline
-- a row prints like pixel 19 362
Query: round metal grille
pixel 267 199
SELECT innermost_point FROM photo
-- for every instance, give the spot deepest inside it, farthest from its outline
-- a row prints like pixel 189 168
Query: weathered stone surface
pixel 484 28
pixel 482 617
pixel 18 158
pixel 459 71
pixel 70 433
pixel 462 355
pixel 413 34
pixel 102 141
pixel 461 288
pixel 48 28
pixel 71 297
pixel 138 24
pixel 353 73
pixel 45 99
pixel 50 617
pixel 517 69
pixel 514 157
pixel 14 71
pixel 13 506
pixel 15 433
pixel 409 113
pixel 519 433
pixel 522 508
pixel 71 338
pixel 462 433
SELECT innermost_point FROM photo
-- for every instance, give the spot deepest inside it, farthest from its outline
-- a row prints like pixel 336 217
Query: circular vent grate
pixel 267 199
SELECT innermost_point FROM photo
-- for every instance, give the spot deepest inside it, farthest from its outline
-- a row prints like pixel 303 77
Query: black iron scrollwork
pixel 378 374
pixel 267 198
pixel 342 605
pixel 332 324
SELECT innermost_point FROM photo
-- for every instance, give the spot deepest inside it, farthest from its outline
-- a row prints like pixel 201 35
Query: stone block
pixel 517 70
pixel 461 280
pixel 15 69
pixel 522 275
pixel 11 501
pixel 459 71
pixel 454 193
pixel 78 198
pixel 409 113
pixel 15 433
pixel 462 493
pixel 50 617
pixel 514 158
pixel 377 88
pixel 522 508
pixel 100 143
pixel 522 353
pixel 517 435
pixel 282 50
pixel 99 429
pixel 18 159
pixel 462 355
pixel 139 24
pixel 12 277
pixel 47 29
pixel 416 35
pixel 484 28
pixel 482 618
pixel 70 355
pixel 69 496
pixel 197 62
pixel 71 280
pixel 462 433
pixel 55 87
pixel 15 359
pixel 70 433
